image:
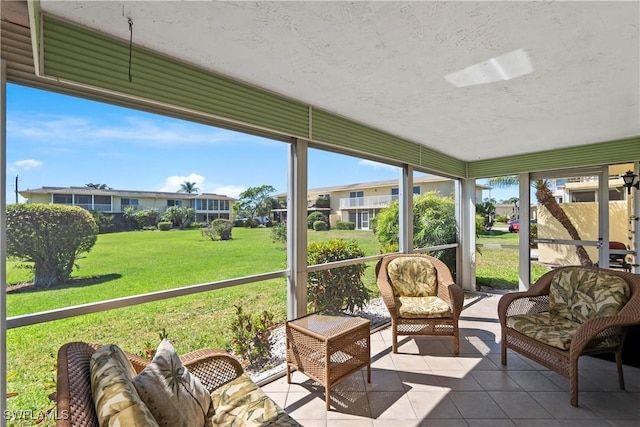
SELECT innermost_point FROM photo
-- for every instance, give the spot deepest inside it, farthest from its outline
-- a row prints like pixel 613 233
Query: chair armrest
pixel 591 328
pixel 212 367
pixel 454 297
pixel 527 302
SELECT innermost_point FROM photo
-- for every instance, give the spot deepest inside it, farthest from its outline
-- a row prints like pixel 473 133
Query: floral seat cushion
pixel 579 294
pixel 552 330
pixel 412 277
pixel 242 403
pixel 421 307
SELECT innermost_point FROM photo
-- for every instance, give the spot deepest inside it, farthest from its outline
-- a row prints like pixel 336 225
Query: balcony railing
pixel 367 202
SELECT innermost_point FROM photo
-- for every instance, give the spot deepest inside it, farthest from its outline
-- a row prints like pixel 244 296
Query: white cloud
pixel 227 190
pixel 376 165
pixel 27 164
pixel 172 183
pixel 132 129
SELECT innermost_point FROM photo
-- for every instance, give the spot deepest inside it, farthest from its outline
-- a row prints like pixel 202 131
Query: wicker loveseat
pixel 221 375
pixel 570 312
pixel 421 296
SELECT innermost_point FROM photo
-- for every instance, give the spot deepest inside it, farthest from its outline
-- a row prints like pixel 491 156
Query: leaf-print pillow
pixel 115 398
pixel 579 294
pixel 174 396
pixel 412 277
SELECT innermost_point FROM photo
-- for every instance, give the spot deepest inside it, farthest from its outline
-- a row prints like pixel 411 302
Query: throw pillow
pixel 115 398
pixel 174 396
pixel 412 277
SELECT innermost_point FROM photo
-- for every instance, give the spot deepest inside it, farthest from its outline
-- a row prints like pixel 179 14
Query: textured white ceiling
pixel 383 63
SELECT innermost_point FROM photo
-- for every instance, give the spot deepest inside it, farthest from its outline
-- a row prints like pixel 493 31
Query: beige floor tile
pixel 385 380
pixel 409 362
pixel 433 404
pixel 490 423
pixel 538 423
pixel 533 381
pixel 476 363
pixel 557 404
pixel 476 405
pixel 392 405
pixel 495 381
pixel 519 405
pixel 420 381
pixel 306 406
pixel 457 381
pixel 444 363
pixel 444 422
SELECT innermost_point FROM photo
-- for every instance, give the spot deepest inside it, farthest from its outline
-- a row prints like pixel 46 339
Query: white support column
pixel 405 200
pixel 3 242
pixel 603 216
pixel 297 230
pixel 466 200
pixel 524 280
pixel 635 222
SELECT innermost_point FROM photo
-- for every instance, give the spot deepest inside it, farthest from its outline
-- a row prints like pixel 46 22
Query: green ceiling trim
pixel 602 153
pixel 77 54
pixel 339 131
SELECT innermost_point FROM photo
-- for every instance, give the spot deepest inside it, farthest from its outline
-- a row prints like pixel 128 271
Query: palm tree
pixel 98 186
pixel 188 187
pixel 546 199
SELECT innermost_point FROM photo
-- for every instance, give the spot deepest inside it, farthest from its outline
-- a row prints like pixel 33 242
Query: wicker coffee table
pixel 327 347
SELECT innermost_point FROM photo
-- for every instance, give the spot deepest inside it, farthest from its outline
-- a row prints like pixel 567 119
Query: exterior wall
pixel 40 198
pixel 585 218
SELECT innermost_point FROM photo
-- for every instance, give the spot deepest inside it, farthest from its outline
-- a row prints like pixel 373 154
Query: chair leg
pixel 456 344
pixel 394 338
pixel 503 351
pixel 619 363
pixel 573 383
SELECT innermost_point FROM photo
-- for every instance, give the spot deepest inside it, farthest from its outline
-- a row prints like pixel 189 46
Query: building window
pixel 356 194
pixel 129 202
pixel 583 196
pixel 617 194
pixel 174 203
pixel 63 199
pixel 396 191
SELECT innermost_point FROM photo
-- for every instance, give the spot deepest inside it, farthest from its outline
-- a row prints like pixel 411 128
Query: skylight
pixel 499 68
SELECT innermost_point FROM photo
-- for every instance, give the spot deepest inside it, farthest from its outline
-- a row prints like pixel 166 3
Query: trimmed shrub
pixel 316 216
pixel 345 225
pixel 51 236
pixel 219 229
pixel 338 288
pixel 320 226
pixel 197 224
pixel 165 226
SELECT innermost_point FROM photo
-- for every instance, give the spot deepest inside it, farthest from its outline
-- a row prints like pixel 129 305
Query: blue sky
pixel 58 140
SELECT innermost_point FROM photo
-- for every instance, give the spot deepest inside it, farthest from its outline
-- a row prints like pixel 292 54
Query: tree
pixel 434 223
pixel 255 202
pixel 188 187
pixel 546 199
pixel 98 186
pixel 50 236
pixel 180 216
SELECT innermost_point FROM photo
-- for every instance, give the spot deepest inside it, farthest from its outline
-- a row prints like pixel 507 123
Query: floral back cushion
pixel 412 277
pixel 579 294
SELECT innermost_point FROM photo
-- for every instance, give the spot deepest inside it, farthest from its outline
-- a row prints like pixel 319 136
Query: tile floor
pixel 425 385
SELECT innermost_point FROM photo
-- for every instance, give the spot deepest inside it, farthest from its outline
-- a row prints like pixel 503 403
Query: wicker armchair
pixel 594 334
pixel 421 320
pixel 75 405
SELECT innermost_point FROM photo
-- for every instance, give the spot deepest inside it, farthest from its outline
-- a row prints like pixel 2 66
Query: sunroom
pixel 464 91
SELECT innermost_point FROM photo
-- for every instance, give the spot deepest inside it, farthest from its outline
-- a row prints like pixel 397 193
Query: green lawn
pixel 133 263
